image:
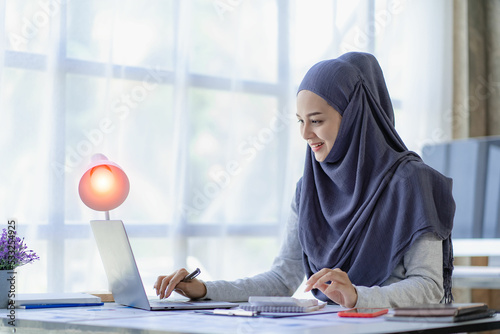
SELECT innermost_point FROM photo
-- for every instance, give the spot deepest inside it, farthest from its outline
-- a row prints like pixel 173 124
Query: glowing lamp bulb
pixel 104 185
pixel 102 179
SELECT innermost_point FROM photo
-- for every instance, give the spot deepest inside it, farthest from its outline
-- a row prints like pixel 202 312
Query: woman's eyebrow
pixel 314 113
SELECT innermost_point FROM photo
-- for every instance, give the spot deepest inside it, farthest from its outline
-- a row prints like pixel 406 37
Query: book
pixel 106 297
pixel 459 318
pixel 437 310
pixel 442 312
pixel 282 304
pixel 39 300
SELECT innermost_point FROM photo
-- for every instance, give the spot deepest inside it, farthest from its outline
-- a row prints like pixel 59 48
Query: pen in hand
pixel 167 290
pixel 192 275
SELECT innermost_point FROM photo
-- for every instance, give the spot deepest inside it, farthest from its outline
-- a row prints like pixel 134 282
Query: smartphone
pixel 363 312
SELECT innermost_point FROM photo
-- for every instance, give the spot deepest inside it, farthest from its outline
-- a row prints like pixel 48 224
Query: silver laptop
pixel 123 275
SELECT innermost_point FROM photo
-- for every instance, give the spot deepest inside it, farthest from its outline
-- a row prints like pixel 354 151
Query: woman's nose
pixel 306 131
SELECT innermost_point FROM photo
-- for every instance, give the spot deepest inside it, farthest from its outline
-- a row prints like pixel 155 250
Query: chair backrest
pixel 474 166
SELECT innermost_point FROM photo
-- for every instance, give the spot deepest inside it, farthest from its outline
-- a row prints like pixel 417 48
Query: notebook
pixel 442 312
pixel 42 300
pixel 123 275
pixel 438 310
pixel 275 304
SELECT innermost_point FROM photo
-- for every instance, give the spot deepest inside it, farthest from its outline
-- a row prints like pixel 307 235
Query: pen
pixel 189 277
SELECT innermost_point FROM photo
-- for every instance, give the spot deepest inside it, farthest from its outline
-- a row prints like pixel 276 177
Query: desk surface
pixel 112 318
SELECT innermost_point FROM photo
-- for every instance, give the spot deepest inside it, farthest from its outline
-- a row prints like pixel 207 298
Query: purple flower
pixel 13 251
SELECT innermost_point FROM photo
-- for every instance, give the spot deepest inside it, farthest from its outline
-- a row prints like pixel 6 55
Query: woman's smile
pixel 317 146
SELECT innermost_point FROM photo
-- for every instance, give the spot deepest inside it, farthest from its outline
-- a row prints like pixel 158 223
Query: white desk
pixel 112 318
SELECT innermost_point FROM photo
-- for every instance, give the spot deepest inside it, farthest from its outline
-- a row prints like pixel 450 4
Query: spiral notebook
pixel 282 304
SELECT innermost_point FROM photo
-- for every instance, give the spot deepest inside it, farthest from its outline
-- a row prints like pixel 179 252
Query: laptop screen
pixel 119 263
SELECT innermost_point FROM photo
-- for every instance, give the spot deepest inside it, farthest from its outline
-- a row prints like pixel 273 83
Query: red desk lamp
pixel 104 185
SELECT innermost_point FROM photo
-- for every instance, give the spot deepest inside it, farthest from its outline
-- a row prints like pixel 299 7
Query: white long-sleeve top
pixel 417 279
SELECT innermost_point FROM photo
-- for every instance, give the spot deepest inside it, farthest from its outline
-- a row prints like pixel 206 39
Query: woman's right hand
pixel 194 289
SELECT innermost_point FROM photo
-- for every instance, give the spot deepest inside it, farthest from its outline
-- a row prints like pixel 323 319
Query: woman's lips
pixel 317 146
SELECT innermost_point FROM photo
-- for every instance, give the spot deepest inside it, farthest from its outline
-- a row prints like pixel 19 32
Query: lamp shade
pixel 104 185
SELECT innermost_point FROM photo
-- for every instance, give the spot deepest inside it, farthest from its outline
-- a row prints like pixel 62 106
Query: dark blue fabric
pixel 362 208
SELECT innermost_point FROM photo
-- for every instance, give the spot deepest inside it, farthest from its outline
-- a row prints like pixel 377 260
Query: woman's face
pixel 319 123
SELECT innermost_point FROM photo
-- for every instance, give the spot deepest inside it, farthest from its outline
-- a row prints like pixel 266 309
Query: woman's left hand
pixel 340 290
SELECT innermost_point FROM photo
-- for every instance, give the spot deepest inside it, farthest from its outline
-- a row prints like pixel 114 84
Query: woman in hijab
pixel 370 224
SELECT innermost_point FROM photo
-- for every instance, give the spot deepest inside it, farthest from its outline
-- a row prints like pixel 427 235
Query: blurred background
pixel 195 100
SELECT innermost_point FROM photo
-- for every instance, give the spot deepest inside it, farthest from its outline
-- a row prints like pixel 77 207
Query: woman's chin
pixel 319 157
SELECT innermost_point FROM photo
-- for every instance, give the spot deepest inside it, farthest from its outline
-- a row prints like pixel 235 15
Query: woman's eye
pixel 315 121
pixel 300 121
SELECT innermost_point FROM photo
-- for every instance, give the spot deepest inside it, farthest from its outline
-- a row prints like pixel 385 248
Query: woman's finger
pixel 157 284
pixel 168 285
pixel 315 277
